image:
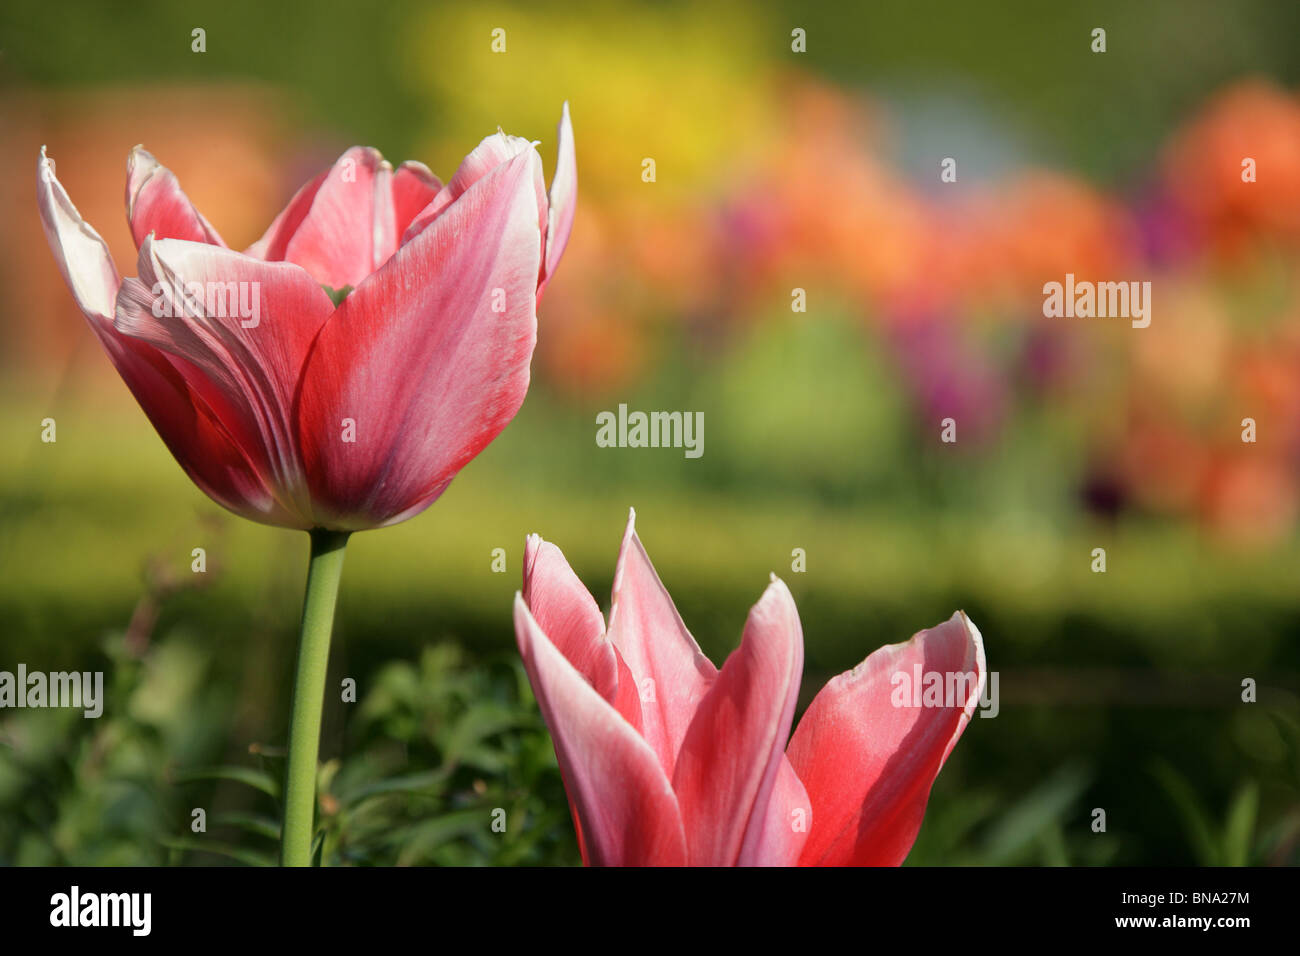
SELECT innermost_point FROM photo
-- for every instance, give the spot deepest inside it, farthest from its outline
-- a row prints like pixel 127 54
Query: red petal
pixel 198 441
pixel 868 765
pixel 670 671
pixel 341 226
pixel 625 810
pixel 777 838
pixel 417 357
pixel 156 204
pixel 246 374
pixel 414 187
pixel 728 766
pixel 276 238
pixel 493 152
pixel 567 612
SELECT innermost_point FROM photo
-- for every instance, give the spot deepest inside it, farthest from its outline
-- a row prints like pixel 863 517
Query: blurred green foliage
pixel 446 764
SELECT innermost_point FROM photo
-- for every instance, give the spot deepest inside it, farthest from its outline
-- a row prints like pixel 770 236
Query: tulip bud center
pixel 337 295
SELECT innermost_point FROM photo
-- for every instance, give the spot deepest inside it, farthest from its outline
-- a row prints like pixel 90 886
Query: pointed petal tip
pixel 140 167
pixel 977 639
pixel 867 764
pixel 532 547
pixel 562 196
pixel 624 546
pixel 369 151
pixel 743 723
pixel 415 166
pixel 777 599
pixel 981 663
pixel 81 254
pixel 45 171
pixel 155 200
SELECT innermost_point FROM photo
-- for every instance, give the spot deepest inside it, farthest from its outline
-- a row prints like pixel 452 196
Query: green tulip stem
pixel 323 575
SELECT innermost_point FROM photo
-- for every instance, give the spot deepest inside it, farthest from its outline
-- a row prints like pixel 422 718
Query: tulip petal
pixel 156 204
pixel 81 254
pixel 624 808
pixel 273 242
pixel 245 368
pixel 399 197
pixel 341 226
pixel 567 612
pixel 414 187
pixel 778 837
pixel 488 155
pixel 428 357
pixel 198 441
pixel 336 241
pixel 867 764
pixel 383 218
pixel 563 198
pixel 673 675
pixel 729 763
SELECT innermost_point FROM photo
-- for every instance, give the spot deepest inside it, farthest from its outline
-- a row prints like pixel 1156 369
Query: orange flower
pixel 1204 167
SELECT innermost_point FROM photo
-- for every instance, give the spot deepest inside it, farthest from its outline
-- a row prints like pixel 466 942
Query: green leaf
pixel 247 857
pixel 417 840
pixel 410 783
pixel 263 826
pixel 1238 833
pixel 1035 813
pixel 1195 819
pixel 1052 846
pixel 257 779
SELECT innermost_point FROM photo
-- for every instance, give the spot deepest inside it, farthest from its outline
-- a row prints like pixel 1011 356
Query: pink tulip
pixel 669 761
pixel 287 408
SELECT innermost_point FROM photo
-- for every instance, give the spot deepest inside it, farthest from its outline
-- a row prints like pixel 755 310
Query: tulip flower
pixel 338 373
pixel 669 761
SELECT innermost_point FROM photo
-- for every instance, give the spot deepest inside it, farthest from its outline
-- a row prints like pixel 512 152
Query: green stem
pixel 309 695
